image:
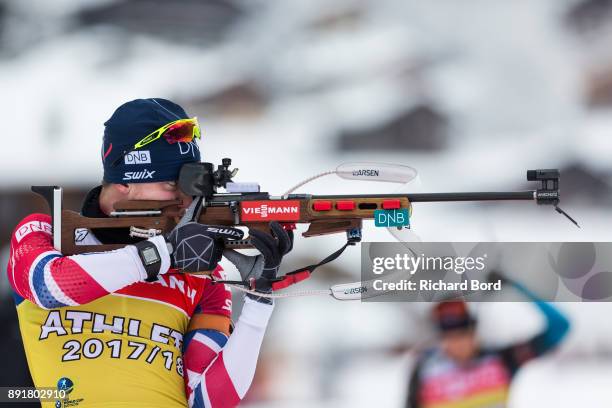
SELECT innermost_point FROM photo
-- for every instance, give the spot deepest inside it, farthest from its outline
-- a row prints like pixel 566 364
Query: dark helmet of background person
pixel 456 327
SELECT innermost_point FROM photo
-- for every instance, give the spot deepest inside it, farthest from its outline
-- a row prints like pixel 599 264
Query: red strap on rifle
pixel 289 279
pixel 304 273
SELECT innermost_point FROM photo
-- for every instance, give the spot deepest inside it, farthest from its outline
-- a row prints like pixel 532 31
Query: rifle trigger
pixel 234 208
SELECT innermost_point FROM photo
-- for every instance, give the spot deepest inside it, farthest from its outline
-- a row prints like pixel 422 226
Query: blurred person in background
pixel 458 372
pixel 131 327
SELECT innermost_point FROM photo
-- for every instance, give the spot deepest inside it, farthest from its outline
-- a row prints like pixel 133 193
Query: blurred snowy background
pixel 470 93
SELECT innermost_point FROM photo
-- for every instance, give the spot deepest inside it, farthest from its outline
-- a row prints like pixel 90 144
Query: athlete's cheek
pixel 153 193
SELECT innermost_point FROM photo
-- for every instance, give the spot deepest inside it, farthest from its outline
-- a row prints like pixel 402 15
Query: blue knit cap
pixel 157 161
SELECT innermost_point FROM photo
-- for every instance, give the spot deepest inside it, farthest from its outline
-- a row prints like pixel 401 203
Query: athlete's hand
pixel 262 269
pixel 198 247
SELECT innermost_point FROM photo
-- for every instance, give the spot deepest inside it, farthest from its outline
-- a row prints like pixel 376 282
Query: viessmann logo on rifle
pixel 271 210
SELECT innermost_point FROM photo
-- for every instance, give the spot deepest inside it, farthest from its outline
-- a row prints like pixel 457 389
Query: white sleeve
pixel 226 381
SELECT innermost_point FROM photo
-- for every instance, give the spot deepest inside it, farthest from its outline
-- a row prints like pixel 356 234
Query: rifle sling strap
pixel 297 275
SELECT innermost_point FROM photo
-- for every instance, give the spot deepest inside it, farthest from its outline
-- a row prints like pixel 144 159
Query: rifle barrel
pixel 482 196
pixel 438 197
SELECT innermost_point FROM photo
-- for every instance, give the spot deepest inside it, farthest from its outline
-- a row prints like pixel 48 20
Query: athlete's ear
pixel 123 188
pixel 121 191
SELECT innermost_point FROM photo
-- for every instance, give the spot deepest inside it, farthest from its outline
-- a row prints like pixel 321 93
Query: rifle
pixel 242 204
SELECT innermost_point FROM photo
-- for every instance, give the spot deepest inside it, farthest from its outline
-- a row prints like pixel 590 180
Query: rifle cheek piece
pixel 200 179
pixel 196 179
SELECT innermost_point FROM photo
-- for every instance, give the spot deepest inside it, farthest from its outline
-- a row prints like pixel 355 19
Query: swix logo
pixel 271 210
pixel 138 157
pixel 32 226
pixel 138 175
pixel 226 231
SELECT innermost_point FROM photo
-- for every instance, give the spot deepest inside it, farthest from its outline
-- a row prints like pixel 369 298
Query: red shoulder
pixel 34 225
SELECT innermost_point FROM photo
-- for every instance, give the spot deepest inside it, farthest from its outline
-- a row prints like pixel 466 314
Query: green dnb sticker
pixel 392 218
